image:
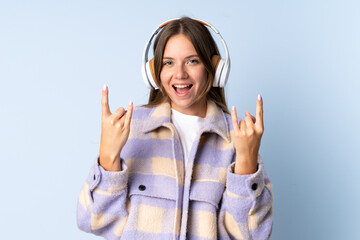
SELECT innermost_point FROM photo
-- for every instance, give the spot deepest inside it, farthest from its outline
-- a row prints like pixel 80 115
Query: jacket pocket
pixel 156 186
pixel 152 207
pixel 207 191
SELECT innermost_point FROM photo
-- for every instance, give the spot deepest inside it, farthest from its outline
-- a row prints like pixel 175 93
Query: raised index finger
pixel 105 109
pixel 259 113
pixel 234 119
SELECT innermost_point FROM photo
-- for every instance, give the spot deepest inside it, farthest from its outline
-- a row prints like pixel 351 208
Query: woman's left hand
pixel 247 138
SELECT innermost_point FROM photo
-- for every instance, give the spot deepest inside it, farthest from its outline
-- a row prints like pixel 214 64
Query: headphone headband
pixel 221 74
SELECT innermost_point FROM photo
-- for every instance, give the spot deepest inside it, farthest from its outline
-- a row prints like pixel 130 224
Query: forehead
pixel 179 44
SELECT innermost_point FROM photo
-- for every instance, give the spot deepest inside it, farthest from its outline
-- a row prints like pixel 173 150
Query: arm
pixel 102 202
pixel 246 208
pixel 246 211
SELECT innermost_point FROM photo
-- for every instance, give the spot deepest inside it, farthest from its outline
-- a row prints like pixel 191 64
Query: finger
pixel 129 114
pixel 234 119
pixel 105 109
pixel 251 116
pixel 118 113
pixel 259 113
pixel 249 121
pixel 242 125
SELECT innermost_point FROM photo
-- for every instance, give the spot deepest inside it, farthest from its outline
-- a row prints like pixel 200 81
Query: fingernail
pixel 130 103
pixel 259 97
pixel 104 87
pixel 233 108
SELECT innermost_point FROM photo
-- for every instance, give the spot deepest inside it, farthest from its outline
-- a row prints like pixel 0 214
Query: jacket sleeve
pixel 101 208
pixel 246 208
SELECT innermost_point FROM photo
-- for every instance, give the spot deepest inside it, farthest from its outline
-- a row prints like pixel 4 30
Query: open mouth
pixel 182 89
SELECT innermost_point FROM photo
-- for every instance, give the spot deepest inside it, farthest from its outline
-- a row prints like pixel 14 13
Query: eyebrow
pixel 191 56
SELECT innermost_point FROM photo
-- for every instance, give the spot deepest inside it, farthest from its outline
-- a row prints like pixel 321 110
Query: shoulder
pixel 223 116
pixel 142 112
pixel 139 119
pixel 228 120
pixel 146 119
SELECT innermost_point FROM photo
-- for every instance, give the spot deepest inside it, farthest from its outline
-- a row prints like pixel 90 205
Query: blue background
pixel 302 56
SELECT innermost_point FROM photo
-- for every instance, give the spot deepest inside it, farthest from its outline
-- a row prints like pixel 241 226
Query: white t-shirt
pixel 188 128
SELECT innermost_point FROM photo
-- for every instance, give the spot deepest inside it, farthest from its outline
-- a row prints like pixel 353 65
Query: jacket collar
pixel 215 120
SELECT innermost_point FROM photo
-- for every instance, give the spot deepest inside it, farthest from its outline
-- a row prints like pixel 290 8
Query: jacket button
pixel 142 188
pixel 254 186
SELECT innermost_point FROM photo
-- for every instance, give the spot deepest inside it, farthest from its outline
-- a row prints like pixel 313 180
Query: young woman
pixel 180 167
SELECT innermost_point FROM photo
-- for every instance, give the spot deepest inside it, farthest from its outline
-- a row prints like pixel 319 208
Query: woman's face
pixel 184 76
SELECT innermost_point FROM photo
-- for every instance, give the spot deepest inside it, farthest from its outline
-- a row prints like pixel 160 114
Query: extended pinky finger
pixel 234 119
pixel 129 113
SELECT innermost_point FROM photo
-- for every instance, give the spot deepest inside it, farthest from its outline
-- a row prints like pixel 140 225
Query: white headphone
pixel 222 66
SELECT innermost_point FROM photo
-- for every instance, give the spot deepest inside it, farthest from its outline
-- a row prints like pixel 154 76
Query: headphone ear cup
pixel 215 61
pixel 224 74
pixel 150 73
pixel 218 65
pixel 221 80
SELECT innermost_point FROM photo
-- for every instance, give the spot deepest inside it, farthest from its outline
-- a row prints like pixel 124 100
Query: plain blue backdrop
pixel 302 56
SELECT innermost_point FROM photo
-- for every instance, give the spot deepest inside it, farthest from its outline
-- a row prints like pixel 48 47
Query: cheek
pixel 203 78
pixel 163 77
pixel 165 81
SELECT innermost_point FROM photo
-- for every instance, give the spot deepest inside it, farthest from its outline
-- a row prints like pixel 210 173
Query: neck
pixel 198 109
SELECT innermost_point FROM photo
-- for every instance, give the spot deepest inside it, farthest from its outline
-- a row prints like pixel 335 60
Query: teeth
pixel 181 86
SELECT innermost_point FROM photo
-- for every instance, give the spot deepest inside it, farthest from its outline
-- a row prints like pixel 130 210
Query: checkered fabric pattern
pixel 154 197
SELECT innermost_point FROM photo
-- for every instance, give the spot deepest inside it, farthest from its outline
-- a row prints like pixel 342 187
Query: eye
pixel 167 63
pixel 193 61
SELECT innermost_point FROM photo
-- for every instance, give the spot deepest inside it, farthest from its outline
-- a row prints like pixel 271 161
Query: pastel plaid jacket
pixel 153 197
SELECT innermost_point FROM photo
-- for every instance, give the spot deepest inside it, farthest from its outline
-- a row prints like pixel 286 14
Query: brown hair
pixel 205 47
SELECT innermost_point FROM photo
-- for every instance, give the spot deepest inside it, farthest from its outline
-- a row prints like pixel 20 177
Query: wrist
pixel 110 163
pixel 245 164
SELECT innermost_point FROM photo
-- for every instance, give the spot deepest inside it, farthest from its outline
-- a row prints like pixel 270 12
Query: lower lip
pixel 182 94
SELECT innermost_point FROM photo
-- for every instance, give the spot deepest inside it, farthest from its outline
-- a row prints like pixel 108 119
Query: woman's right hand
pixel 115 130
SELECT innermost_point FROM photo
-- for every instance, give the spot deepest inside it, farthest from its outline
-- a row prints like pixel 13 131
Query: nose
pixel 181 72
